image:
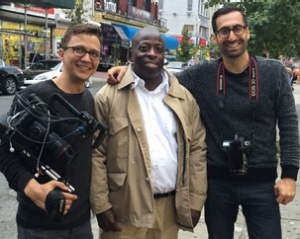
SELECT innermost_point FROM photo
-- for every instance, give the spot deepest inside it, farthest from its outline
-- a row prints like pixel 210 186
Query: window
pixel 147 5
pixel 190 5
pixel 161 4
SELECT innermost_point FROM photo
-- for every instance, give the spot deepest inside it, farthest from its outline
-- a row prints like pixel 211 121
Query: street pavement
pixel 290 214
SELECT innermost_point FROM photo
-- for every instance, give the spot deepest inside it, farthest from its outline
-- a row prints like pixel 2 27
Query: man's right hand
pixel 38 193
pixel 115 74
pixel 107 221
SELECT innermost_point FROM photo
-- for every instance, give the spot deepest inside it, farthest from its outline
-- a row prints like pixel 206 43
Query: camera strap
pixel 253 87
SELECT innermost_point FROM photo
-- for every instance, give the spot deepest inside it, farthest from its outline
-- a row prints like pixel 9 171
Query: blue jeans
pixel 81 232
pixel 258 203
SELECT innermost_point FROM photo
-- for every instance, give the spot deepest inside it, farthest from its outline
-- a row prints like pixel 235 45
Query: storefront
pixel 115 45
pixel 14 34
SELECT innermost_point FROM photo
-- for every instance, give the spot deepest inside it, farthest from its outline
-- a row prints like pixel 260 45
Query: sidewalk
pixel 290 221
pixel 99 76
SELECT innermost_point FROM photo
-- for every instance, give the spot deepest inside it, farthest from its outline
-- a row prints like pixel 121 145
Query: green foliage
pixel 214 50
pixel 274 29
pixel 273 26
pixel 185 49
pixel 77 14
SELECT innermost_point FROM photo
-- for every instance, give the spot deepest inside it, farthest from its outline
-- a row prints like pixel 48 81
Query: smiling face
pixel 148 53
pixel 234 45
pixel 78 69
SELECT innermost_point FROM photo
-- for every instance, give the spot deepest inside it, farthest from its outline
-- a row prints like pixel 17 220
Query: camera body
pixel 31 134
pixel 236 152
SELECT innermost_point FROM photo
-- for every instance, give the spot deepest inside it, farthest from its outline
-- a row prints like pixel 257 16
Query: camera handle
pixel 55 176
pixel 42 168
pixel 55 204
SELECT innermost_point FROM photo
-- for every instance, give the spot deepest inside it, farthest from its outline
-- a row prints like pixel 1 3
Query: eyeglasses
pixel 81 51
pixel 237 29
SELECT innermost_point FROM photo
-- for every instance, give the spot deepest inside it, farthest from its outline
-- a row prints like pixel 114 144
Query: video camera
pixel 30 133
pixel 236 151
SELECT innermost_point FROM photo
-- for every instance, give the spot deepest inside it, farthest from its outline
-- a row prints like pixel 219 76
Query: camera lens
pixel 247 143
pixel 35 132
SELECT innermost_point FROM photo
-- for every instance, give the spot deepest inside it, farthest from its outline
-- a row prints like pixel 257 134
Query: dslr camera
pixel 236 151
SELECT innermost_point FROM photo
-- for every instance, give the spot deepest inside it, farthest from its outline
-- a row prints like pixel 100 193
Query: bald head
pixel 148 49
pixel 145 33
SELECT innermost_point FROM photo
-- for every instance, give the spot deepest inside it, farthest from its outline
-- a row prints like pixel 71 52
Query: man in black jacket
pixel 50 208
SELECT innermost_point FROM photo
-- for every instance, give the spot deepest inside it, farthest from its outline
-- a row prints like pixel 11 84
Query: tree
pixel 78 14
pixel 185 49
pixel 273 26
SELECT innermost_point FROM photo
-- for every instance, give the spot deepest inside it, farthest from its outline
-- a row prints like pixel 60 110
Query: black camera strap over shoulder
pixel 253 89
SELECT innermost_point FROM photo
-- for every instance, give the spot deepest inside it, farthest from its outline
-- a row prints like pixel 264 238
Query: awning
pixel 129 31
pixel 114 35
pixel 19 17
pixel 171 43
pixel 179 38
pixel 46 3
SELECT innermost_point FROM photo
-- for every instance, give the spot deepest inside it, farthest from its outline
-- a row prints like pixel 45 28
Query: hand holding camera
pixel 51 197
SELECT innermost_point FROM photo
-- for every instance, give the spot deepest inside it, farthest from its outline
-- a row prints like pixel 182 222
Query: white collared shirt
pixel 160 124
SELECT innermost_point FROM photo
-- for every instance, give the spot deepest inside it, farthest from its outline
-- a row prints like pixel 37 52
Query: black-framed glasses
pixel 81 51
pixel 237 29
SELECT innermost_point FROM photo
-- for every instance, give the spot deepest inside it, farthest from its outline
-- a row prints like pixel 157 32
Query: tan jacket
pixel 121 166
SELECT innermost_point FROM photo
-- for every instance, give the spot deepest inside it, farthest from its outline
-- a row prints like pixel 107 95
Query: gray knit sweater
pixel 275 104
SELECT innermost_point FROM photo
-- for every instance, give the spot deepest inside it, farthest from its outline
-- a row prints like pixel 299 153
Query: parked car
pixel 40 67
pixel 49 75
pixel 11 78
pixel 176 66
pixel 53 73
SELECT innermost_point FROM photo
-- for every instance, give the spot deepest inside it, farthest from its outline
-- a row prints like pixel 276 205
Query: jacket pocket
pixel 117 124
pixel 116 180
pixel 118 145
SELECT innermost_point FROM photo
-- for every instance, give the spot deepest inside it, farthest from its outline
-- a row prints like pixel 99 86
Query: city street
pixel 290 213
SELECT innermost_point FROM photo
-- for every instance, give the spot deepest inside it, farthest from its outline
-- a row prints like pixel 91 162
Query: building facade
pixel 27 32
pixel 121 19
pixel 188 14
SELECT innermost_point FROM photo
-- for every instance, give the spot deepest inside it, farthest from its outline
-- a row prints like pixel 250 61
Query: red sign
pixel 202 41
pixel 38 9
pixel 179 38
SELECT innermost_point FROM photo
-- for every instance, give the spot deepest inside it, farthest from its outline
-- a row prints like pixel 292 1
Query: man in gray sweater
pixel 242 97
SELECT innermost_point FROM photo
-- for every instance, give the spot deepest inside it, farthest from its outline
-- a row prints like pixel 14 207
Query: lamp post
pixel 46 33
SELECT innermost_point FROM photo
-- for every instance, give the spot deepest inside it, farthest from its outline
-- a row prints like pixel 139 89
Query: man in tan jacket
pixel 149 176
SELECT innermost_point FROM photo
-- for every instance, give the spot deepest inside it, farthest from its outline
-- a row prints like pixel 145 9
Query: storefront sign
pixel 111 36
pixel 139 14
pixel 39 9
